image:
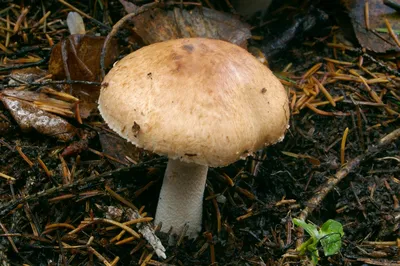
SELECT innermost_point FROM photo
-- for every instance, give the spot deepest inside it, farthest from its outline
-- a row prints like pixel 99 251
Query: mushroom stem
pixel 181 197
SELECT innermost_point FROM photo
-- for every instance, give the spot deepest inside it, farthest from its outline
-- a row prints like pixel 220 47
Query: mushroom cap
pixel 199 100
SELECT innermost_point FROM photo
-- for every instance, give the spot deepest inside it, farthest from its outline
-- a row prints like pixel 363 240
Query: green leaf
pixel 313 253
pixel 310 228
pixel 331 234
pixel 314 257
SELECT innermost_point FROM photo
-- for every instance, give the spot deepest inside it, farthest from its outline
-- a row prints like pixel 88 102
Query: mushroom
pixel 201 102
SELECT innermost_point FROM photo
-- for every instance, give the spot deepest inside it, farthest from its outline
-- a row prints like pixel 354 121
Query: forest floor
pixel 61 193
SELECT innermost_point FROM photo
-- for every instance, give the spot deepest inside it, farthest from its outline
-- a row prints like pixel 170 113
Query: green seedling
pixel 329 235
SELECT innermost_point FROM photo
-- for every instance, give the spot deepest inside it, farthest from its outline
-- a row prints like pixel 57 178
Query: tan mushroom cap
pixel 199 100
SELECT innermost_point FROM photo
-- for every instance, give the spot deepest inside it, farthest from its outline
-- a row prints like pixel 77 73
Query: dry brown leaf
pixel 119 148
pixel 43 101
pixel 159 25
pixel 78 58
pixel 26 75
pixel 29 117
pixel 379 42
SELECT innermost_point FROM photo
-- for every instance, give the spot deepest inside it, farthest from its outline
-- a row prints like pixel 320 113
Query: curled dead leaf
pixel 26 75
pixel 46 100
pixel 78 58
pixel 119 148
pixel 157 25
pixel 29 117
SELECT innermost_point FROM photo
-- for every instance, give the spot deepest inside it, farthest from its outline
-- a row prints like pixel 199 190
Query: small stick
pixel 103 220
pixel 58 225
pixel 217 212
pixel 395 199
pixel 123 241
pixel 114 262
pixel 324 91
pixel 41 21
pixel 116 28
pixel 8 35
pixel 343 145
pixel 358 200
pixel 7 177
pixel 148 257
pixel 26 159
pixel 20 19
pixel 318 111
pixel 99 256
pixel 51 82
pixel 311 71
pixel 391 32
pixel 366 15
pixel 9 238
pixel 208 236
pixel 339 62
pixel 393 4
pixel 62 197
pixel 116 196
pixel 381 243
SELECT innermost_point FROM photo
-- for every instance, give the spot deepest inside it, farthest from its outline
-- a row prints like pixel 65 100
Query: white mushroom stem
pixel 181 197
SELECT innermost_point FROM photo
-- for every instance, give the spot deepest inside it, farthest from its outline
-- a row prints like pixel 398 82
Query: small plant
pixel 329 235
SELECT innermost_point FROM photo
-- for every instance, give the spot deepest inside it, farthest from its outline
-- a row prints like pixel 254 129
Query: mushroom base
pixel 181 198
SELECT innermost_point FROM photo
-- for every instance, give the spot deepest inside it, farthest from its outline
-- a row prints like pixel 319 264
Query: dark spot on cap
pixel 135 129
pixel 190 154
pixel 176 56
pixel 104 84
pixel 188 47
pixel 150 75
pixel 263 90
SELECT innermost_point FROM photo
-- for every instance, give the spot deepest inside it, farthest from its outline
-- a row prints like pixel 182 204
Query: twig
pixel 38 63
pixel 78 185
pixel 209 238
pixel 391 33
pixel 382 65
pixel 393 4
pixel 117 27
pixel 99 256
pixel 366 15
pixel 7 177
pixel 52 82
pixel 9 238
pixel 343 145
